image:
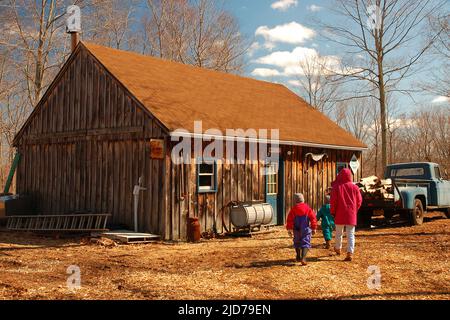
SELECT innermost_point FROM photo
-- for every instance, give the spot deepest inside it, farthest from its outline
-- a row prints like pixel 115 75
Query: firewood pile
pixel 375 188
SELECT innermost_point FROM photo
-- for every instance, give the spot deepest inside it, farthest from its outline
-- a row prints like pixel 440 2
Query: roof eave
pixel 256 140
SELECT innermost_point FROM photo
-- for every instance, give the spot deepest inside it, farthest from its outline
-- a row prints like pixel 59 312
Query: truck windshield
pixel 407 172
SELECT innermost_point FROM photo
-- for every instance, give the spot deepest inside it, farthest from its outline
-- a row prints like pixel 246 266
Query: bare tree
pixel 375 35
pixel 355 117
pixel 374 142
pixel 197 32
pixel 441 124
pixel 14 111
pixel 110 23
pixel 166 29
pixel 39 41
pixel 317 84
pixel 439 83
pixel 424 135
pixel 7 82
pixel 394 123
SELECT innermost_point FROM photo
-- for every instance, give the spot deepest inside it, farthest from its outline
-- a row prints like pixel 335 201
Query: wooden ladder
pixel 68 222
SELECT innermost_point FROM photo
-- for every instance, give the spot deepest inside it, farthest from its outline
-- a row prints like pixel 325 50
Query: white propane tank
pixel 247 215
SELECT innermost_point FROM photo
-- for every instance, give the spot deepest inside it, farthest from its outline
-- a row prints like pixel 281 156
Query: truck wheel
pixel 388 216
pixel 416 215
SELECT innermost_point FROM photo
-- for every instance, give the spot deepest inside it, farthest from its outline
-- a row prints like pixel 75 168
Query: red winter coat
pixel 345 199
pixel 299 210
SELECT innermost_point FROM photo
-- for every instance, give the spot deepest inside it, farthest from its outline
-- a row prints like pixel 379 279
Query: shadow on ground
pixel 391 295
pixel 30 241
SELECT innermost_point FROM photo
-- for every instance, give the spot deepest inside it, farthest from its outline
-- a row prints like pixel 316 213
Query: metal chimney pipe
pixel 74 38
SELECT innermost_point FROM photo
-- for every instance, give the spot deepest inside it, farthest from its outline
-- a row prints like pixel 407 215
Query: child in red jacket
pixel 303 223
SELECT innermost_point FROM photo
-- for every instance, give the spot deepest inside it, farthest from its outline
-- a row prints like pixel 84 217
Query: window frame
pixel 339 164
pixel 405 174
pixel 213 175
pixel 272 176
pixel 437 173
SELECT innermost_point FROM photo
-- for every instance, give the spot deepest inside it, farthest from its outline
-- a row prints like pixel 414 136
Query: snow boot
pixel 304 254
pixel 298 258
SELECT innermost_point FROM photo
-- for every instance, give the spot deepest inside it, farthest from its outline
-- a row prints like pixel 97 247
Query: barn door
pixel 274 190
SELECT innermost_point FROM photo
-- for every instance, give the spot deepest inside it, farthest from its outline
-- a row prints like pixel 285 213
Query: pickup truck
pixel 416 188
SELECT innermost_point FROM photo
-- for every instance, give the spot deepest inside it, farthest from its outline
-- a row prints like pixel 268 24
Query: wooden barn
pixel 109 118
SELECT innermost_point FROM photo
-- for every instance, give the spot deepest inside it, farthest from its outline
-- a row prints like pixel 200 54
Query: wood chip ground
pixel 414 264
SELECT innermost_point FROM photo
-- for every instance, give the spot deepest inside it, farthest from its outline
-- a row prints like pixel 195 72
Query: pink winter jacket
pixel 345 199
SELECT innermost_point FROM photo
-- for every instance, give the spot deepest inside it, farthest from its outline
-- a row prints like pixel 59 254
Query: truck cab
pixel 421 180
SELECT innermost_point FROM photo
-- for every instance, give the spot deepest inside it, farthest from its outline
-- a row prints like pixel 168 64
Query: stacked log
pixel 375 188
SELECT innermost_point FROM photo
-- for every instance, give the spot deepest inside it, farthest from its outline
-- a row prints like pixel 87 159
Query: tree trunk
pixel 38 74
pixel 39 57
pixel 382 98
pixel 384 161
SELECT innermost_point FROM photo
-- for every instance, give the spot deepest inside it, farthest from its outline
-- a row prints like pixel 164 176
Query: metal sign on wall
pixel 157 149
pixel 354 164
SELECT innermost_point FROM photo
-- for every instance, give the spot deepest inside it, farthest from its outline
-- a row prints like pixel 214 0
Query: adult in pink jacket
pixel 345 202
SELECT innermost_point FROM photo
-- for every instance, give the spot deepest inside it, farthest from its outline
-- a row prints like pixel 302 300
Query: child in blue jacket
pixel 327 222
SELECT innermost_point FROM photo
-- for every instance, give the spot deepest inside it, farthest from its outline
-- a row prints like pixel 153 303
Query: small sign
pixel 354 164
pixel 157 149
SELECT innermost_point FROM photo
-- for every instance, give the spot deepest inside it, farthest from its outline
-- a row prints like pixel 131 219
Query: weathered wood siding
pixel 245 182
pixel 86 145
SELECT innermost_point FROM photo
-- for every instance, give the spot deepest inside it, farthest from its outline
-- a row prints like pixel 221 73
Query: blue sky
pixel 265 22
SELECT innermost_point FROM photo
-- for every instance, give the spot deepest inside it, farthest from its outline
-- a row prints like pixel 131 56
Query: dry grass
pixel 414 263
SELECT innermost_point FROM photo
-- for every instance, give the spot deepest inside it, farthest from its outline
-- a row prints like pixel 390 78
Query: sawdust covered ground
pixel 414 264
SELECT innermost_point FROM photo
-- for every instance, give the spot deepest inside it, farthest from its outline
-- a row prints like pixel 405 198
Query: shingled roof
pixel 179 94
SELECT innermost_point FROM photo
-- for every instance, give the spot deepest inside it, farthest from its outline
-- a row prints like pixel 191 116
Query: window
pixel 272 179
pixel 340 166
pixel 437 173
pixel 207 177
pixel 407 172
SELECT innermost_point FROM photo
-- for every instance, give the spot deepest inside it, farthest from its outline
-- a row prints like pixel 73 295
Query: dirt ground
pixel 413 261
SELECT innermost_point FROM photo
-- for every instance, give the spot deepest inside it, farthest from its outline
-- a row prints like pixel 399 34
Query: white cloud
pixel 441 99
pixel 294 83
pixel 283 5
pixel 290 60
pixel 286 59
pixel 292 33
pixel 265 72
pixel 313 8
